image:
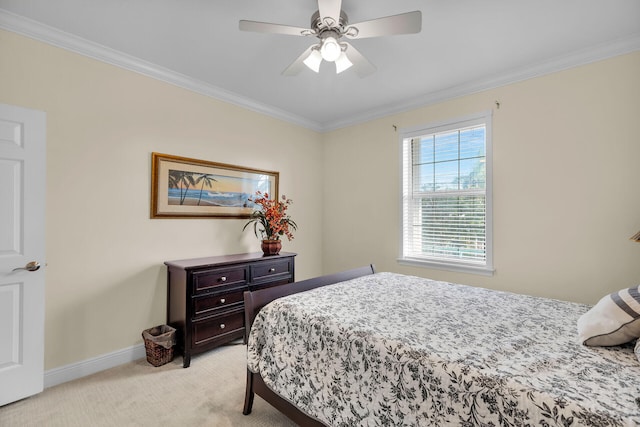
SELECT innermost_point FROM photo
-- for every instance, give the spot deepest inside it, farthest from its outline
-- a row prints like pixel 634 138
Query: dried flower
pixel 272 217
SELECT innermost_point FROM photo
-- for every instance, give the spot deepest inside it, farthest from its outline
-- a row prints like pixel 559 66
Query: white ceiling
pixel 464 46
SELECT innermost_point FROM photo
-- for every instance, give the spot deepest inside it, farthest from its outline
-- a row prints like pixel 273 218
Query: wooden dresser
pixel 205 296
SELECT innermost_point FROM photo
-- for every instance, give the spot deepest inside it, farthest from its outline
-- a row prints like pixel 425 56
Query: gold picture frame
pixel 190 188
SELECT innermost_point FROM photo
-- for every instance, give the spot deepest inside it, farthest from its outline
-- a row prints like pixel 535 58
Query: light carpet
pixel 208 393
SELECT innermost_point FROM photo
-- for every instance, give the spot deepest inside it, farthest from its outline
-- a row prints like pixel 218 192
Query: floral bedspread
pixel 395 350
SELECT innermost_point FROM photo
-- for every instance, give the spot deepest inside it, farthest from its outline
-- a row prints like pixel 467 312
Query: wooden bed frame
pixel 253 302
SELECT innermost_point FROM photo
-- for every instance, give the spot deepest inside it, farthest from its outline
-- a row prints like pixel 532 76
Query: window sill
pixel 448 266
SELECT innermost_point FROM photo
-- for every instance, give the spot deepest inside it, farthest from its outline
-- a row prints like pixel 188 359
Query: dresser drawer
pixel 271 271
pixel 206 280
pixel 213 328
pixel 207 304
pixel 205 296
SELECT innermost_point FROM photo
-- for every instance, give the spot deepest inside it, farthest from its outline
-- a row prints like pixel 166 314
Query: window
pixel 446 195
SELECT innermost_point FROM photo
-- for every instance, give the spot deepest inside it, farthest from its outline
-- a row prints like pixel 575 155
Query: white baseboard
pixel 81 369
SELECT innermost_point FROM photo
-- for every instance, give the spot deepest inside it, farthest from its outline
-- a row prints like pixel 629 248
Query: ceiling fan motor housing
pixel 320 26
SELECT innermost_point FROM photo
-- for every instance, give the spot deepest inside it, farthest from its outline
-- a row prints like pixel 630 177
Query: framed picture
pixel 190 188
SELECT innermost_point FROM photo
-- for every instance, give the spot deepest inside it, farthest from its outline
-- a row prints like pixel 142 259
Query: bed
pixel 361 348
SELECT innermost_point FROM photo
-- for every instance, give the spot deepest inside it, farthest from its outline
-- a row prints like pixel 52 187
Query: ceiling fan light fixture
pixel 330 49
pixel 342 63
pixel 329 24
pixel 313 60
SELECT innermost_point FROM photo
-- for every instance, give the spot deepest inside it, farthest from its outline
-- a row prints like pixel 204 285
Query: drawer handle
pixel 271 270
pixel 222 300
pixel 223 279
pixel 222 325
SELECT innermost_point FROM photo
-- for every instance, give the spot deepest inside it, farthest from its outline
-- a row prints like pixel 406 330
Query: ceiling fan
pixel 330 24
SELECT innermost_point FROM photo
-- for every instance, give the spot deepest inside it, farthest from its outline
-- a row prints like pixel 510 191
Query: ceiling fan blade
pixel 330 9
pixel 361 65
pixel 298 65
pixel 405 23
pixel 265 27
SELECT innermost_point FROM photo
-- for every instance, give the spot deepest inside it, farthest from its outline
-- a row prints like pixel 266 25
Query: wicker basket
pixel 158 343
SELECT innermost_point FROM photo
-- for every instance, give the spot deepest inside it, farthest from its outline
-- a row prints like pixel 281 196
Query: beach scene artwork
pixel 188 188
pixel 203 189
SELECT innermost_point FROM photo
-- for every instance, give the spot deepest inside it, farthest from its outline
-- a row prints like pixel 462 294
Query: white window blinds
pixel 444 212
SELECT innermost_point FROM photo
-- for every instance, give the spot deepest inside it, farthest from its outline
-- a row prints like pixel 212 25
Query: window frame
pixel 406 171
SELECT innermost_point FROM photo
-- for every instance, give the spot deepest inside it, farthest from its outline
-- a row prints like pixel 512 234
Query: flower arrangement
pixel 272 217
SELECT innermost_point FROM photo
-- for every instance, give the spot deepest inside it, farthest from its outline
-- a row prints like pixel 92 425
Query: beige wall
pixel 566 184
pixel 566 148
pixel 105 278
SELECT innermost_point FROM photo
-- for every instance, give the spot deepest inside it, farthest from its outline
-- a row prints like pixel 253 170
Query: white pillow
pixel 614 320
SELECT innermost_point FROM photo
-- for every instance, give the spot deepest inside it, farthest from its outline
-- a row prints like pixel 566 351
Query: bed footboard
pixel 253 302
pixel 255 385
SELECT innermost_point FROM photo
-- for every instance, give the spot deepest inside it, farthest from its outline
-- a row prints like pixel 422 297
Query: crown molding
pixel 44 33
pixel 582 57
pixel 36 30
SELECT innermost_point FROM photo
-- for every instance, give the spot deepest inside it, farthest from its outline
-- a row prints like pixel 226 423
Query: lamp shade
pixel 313 60
pixel 330 49
pixel 342 63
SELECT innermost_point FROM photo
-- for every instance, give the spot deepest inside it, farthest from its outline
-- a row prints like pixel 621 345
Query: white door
pixel 22 210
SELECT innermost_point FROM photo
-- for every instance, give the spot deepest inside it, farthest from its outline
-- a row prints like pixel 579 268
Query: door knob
pixel 31 266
